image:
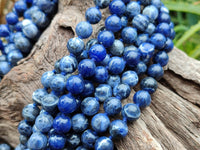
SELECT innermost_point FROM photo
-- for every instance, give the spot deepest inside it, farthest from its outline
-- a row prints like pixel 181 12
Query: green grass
pixel 186 16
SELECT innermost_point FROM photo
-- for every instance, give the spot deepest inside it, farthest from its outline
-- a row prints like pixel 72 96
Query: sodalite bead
pixel 104 143
pixel 84 29
pixel 152 12
pixel 102 3
pixel 113 23
pixel 146 50
pixel 73 140
pixel 118 129
pixel 4 30
pixel 106 60
pixel 172 34
pixel 97 52
pixel 100 122
pixel 140 22
pixel 112 106
pixel 113 80
pixel 46 78
pixel 129 35
pixel 62 124
pixel 87 68
pixel 40 19
pixel 47 6
pixel 89 138
pixel 29 12
pixel 37 141
pixel 122 91
pixel 130 48
pixel 14 56
pixel 79 123
pixel 93 15
pixel 116 65
pixel 164 17
pixel 142 98
pixel 67 104
pixel 4 68
pixel 164 29
pixel 2 58
pixel 124 21
pixel 117 7
pixel 169 45
pixel 103 91
pixel 149 84
pixel 4 147
pixel 131 112
pixel 90 106
pixel 68 64
pixel 20 7
pixel 57 142
pixel 158 40
pixel 23 139
pixel 23 44
pixel 88 89
pixel 58 83
pixel 140 68
pixel 150 28
pixel 161 58
pixel 142 38
pixel 156 71
pixel 49 102
pixel 101 74
pixel 90 43
pixel 75 46
pixel 11 18
pixel 117 48
pixel 145 2
pixel 81 148
pixel 132 58
pixel 132 9
pixel 130 78
pixel 10 47
pixel 106 38
pixel 24 128
pixel 30 112
pixel 156 3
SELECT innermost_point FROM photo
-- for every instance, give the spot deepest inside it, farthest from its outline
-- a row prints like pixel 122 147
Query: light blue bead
pixel 23 139
pixel 130 48
pixel 116 65
pixel 100 123
pixel 113 80
pixel 156 71
pixel 164 9
pixel 97 52
pixel 84 29
pixel 62 124
pixel 140 22
pixel 49 102
pixel 122 91
pixel 102 3
pixel 132 9
pixel 75 45
pixel 23 44
pixel 142 98
pixel 131 112
pixel 124 21
pixel 141 68
pixel 29 29
pixel 130 78
pixel 2 58
pixel 112 106
pixel 58 83
pixel 89 138
pixel 10 47
pixel 156 3
pixel 101 74
pixel 14 56
pixel 4 68
pixel 68 64
pixel 40 19
pixel 164 17
pixel 106 38
pixel 79 123
pixel 117 48
pixel 90 106
pixel 93 15
pixel 37 141
pixel 104 143
pixel 113 23
pixel 103 91
pixel 4 147
pixel 142 38
pixel 146 50
pixel 158 40
pixel 29 12
pixel 11 18
pixel 30 112
pixel 46 78
pixel 87 68
pixel 88 89
pixel 106 60
pixel 164 29
pixel 73 140
pixel 129 35
pixel 150 28
pixel 149 84
pixel 152 12
pixel 117 7
pixel 24 128
pixel 118 129
pixel 57 142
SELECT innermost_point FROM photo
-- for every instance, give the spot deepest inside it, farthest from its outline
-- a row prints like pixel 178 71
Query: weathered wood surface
pixel 172 122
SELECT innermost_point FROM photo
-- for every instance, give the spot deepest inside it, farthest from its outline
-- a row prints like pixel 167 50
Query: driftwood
pixel 171 122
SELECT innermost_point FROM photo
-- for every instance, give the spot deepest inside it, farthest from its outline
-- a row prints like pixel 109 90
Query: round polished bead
pixel 132 57
pixel 161 58
pixel 4 30
pixel 113 23
pixel 149 84
pixel 23 139
pixel 20 7
pixel 62 124
pixel 140 22
pixel 75 46
pixel 103 91
pixel 29 29
pixel 75 84
pixel 102 3
pixel 158 40
pixel 97 52
pixel 124 21
pixel 4 147
pixel 112 106
pixel 47 6
pixel 106 60
pixel 57 142
pixel 87 68
pixel 30 112
pixel 142 98
pixel 79 123
pixel 117 7
pixel 23 44
pixel 113 80
pixel 29 12
pixel 90 43
pixel 73 140
pixel 11 18
pixel 100 123
pixel 101 74
pixel 122 91
pixel 131 112
pixel 68 64
pixel 37 141
pixel 24 128
pixel 164 17
pixel 140 68
pixel 67 104
pixel 10 47
pixel 164 29
pixel 104 143
pixel 4 68
pixel 130 48
pixel 46 78
pixel 2 58
pixel 49 102
pixel 172 34
pixel 58 83
pixel 129 35
pixel 84 29
pixel 14 56
pixel 130 78
pixel 169 45
pixel 146 50
pixel 116 65
pixel 156 3
pixel 117 48
pixel 40 19
pixel 93 15
pixel 106 38
pixel 118 129
pixel 164 9
pixel 152 12
pixel 88 89
pixel 89 138
pixel 142 38
pixel 156 71
pixel 81 148
pixel 90 106
pixel 132 9
pixel 150 29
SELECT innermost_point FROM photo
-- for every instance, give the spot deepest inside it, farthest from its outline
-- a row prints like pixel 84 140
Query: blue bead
pixel 116 65
pixel 93 15
pixel 18 26
pixel 106 60
pixel 142 98
pixel 62 124
pixel 112 106
pixel 57 66
pixel 130 48
pixel 84 29
pixel 150 28
pixel 49 102
pixel 20 7
pixel 104 143
pixel 172 34
pixel 113 80
pixel 4 68
pixel 89 138
pixel 122 91
pixel 87 68
pixel 145 2
pixel 73 140
pixel 118 129
pixel 24 128
pixel 23 44
pixel 129 35
pixel 30 112
pixel 90 43
pixel 47 6
pixel 152 12
pixel 88 89
pixel 156 3
pixel 23 139
pixel 146 50
pixel 113 23
pixel 164 17
pixel 132 57
pixel 149 84
pixel 156 71
pixel 68 64
pixel 103 91
pixel 4 30
pixel 158 40
pixel 46 78
pixel 140 22
pixel 4 147
pixel 142 38
pixel 67 104
pixel 81 148
pixel 97 52
pixel 75 84
pixel 117 48
pixel 130 78
pixel 90 106
pixel 1 45
pixel 106 38
pixel 102 3
pixel 11 18
pixel 131 112
pixel 2 58
pixel 58 83
pixel 124 21
pixel 164 9
pixel 164 29
pixel 171 25
pixel 44 122
pixel 126 1
pixel 14 56
pixel 79 123
pixel 161 58
pixel 100 123
pixel 169 45
pixel 37 141
pixel 117 7
pixel 40 19
pixel 29 12
pixel 101 74
pixel 75 46
pixel 132 9
pixel 141 68
pixel 57 142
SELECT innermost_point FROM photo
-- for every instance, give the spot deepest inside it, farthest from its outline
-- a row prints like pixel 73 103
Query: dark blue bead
pixel 164 29
pixel 81 148
pixel 158 40
pixel 140 22
pixel 104 143
pixel 29 12
pixel 4 30
pixel 146 50
pixel 131 112
pixel 149 84
pixel 112 106
pixel 90 43
pixel 106 60
pixel 103 91
pixel 4 68
pixel 129 35
pixel 102 3
pixel 142 38
pixel 130 78
pixel 144 2
pixel 156 71
pixel 156 3
pixel 67 104
pixel 106 38
pixel 122 91
pixel 118 129
pixel 117 48
pixel 62 124
pixel 97 52
pixel 11 18
pixel 130 48
pixel 113 23
pixel 57 142
pixel 18 26
pixel 124 21
pixel 2 58
pixel 93 15
pixel 161 58
pixel 132 9
pixel 1 45
pixel 117 7
pixel 89 138
pixel 75 84
pixel 37 141
pixel 84 29
pixel 164 17
pixel 58 83
pixel 100 123
pixel 23 139
pixel 75 46
pixel 23 44
pixel 20 7
pixel 141 68
pixel 90 106
pixel 73 140
pixel 116 65
pixel 152 12
pixel 126 1
pixel 24 128
pixel 14 56
pixel 79 123
pixel 68 64
pixel 88 89
pixel 169 45
pixel 49 102
pixel 4 147
pixel 132 57
pixel 142 98
pixel 30 112
pixel 172 34
pixel 101 74
pixel 150 28
pixel 47 6
pixel 40 19
pixel 46 78
pixel 87 68
pixel 113 80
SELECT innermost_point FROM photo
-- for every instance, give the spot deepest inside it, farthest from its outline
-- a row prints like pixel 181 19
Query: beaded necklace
pixel 108 67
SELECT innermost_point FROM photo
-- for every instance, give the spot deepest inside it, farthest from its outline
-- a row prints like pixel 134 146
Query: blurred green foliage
pixel 186 16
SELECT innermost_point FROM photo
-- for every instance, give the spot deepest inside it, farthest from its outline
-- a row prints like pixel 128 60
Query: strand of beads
pixel 23 27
